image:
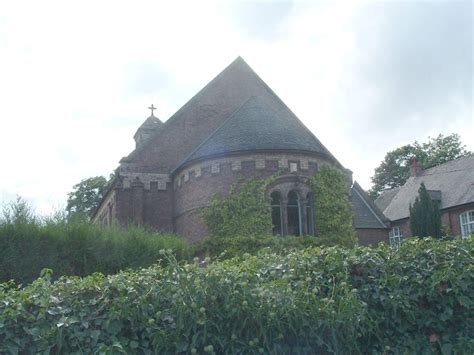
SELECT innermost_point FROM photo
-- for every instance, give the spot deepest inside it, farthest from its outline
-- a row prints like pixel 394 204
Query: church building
pixel 236 126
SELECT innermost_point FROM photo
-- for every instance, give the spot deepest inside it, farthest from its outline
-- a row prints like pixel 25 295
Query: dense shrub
pixel 77 248
pixel 231 246
pixel 417 299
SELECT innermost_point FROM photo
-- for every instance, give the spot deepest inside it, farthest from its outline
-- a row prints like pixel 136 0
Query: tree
pixel 425 217
pixel 18 212
pixel 86 196
pixel 334 217
pixel 394 170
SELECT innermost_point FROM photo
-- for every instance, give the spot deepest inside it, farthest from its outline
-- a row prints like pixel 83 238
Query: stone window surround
pixel 284 187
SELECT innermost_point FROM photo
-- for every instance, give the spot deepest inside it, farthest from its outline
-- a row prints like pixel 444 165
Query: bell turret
pixel 147 129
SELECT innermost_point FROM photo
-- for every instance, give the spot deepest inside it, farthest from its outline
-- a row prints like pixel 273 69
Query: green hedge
pixel 77 248
pixel 417 299
pixel 231 246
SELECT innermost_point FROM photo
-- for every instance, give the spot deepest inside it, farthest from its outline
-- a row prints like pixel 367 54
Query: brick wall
pixel 152 207
pixel 449 217
pixel 195 185
pixel 372 236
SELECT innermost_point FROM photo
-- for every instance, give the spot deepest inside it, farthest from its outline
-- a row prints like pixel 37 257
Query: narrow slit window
pixel 294 215
pixel 310 214
pixel 276 214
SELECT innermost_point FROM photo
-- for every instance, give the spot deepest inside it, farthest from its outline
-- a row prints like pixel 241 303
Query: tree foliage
pixel 334 217
pixel 86 196
pixel 17 212
pixel 244 212
pixel 425 217
pixel 394 170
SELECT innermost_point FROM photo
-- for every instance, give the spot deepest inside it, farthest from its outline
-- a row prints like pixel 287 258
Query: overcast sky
pixel 366 77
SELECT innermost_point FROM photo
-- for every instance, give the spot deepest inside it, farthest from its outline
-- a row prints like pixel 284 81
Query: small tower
pixel 147 129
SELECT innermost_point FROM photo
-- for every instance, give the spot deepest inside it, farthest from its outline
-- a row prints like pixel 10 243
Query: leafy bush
pixel 77 248
pixel 231 246
pixel 417 299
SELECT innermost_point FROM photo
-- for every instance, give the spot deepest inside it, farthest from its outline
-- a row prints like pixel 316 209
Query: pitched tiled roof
pixel 385 198
pixel 262 123
pixel 366 214
pixel 454 179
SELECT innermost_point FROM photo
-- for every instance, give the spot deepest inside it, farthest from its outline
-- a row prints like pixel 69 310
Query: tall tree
pixel 394 170
pixel 334 217
pixel 86 196
pixel 425 217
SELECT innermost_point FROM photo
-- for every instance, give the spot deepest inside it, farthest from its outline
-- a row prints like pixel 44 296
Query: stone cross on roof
pixel 152 108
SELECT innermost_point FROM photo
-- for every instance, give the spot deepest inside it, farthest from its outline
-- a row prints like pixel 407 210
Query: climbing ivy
pixel 334 218
pixel 244 212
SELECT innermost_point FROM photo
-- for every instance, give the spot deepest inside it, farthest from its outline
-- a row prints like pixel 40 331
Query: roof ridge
pixel 452 161
pixel 173 117
pixel 268 88
pixel 443 172
pixel 239 59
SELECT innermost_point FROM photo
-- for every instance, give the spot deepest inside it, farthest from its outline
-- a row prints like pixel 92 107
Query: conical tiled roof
pixel 231 100
pixel 262 123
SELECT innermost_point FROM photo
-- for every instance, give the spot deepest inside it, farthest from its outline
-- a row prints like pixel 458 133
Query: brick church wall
pixel 149 202
pixel 195 185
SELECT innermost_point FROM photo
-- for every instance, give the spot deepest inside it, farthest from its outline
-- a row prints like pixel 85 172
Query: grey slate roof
pixel 454 179
pixel 385 198
pixel 366 214
pixel 262 123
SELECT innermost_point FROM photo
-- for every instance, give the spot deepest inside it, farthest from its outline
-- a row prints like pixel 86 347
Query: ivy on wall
pixel 244 212
pixel 334 218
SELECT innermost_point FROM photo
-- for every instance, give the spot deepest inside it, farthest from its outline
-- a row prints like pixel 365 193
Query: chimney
pixel 415 167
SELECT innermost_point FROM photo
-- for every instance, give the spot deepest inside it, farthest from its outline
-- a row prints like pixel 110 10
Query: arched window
pixel 294 215
pixel 277 220
pixel 310 213
pixel 467 223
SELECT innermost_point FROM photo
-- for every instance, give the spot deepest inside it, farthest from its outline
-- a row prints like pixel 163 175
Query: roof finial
pixel 152 108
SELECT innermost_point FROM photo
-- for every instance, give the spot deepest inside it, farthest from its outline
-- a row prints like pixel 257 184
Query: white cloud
pixel 77 78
